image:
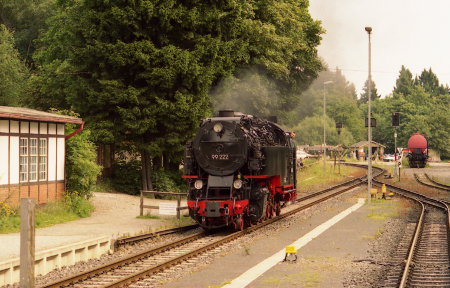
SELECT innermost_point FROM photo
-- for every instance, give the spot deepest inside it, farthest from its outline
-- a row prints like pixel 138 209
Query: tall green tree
pixel 341 104
pixel 405 82
pixel 140 72
pixel 282 40
pixel 13 73
pixel 26 18
pixel 430 83
pixel 364 97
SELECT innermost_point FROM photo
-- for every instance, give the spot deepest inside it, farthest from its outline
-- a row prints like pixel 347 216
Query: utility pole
pixel 324 129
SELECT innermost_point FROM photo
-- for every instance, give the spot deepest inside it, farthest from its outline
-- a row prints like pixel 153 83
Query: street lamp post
pixel 324 129
pixel 369 126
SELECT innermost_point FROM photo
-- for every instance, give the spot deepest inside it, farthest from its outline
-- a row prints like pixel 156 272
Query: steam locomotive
pixel 240 169
pixel 417 151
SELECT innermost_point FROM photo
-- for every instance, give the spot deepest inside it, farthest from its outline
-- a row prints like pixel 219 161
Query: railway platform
pixel 80 240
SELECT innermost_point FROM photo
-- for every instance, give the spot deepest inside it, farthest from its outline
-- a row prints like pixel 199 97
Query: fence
pixel 178 195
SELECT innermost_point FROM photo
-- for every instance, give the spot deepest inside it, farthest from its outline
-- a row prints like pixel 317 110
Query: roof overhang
pixel 20 113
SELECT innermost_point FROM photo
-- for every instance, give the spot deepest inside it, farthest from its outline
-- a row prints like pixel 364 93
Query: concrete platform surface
pixel 121 207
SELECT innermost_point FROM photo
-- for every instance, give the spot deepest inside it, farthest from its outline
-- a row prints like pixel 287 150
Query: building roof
pixel 366 143
pixel 320 148
pixel 21 113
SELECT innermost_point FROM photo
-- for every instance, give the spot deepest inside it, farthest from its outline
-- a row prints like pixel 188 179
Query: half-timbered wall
pixel 32 159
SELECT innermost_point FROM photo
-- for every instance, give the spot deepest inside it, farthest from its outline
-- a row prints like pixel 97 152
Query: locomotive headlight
pixel 218 127
pixel 198 184
pixel 237 184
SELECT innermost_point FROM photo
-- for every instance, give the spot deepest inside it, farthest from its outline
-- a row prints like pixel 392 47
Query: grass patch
pixel 170 221
pixel 302 279
pixel 272 280
pixel 220 285
pixel 382 209
pixel 310 279
pixel 69 209
pixel 377 234
pixel 148 216
pixel 312 175
pixel 104 185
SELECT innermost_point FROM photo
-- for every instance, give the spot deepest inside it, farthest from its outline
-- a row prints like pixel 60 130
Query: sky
pixel 412 33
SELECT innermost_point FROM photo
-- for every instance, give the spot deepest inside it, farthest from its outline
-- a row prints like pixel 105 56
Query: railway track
pixel 134 239
pixel 144 269
pixel 430 183
pixel 436 182
pixel 422 258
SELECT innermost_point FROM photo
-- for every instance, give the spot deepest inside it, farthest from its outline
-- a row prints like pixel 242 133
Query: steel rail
pixel 84 275
pixel 152 270
pixel 146 236
pixel 436 182
pixel 421 199
pixel 412 247
pixel 428 184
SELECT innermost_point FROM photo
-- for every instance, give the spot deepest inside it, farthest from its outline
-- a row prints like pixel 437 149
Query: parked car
pixel 388 158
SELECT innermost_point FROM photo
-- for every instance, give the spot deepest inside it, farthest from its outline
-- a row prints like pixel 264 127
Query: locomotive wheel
pixel 239 223
pixel 270 211
pixel 278 208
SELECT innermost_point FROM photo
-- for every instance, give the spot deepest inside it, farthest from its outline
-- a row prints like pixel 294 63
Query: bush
pixel 127 176
pixel 168 181
pixel 82 169
pixel 81 159
pixel 78 205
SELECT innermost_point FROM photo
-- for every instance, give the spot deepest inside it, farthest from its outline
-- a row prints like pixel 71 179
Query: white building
pixel 32 154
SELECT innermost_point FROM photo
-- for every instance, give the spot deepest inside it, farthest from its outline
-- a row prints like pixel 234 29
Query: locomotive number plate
pixel 220 156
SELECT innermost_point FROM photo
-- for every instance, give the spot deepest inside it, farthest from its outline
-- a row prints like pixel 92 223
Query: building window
pixel 43 159
pixel 23 159
pixel 33 154
pixel 33 147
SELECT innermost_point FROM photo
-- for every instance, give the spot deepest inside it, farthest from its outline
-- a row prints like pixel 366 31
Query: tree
pixel 282 40
pixel 430 83
pixel 13 73
pixel 404 82
pixel 140 72
pixel 310 131
pixel 340 103
pixel 373 91
pixel 26 18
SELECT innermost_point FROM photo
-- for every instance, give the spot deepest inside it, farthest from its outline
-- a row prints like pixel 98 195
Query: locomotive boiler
pixel 417 151
pixel 240 169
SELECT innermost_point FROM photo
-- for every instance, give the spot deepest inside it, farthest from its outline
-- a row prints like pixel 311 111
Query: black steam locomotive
pixel 241 170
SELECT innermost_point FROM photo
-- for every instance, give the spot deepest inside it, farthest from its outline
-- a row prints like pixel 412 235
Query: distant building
pixel 359 150
pixel 32 154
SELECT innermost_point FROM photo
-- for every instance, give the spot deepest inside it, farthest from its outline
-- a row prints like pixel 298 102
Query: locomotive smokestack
pixel 226 113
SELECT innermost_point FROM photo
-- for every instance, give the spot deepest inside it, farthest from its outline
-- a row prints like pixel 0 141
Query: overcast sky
pixel 405 32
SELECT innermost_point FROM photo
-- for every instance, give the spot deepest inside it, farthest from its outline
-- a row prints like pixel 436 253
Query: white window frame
pixel 33 162
pixel 43 159
pixel 33 154
pixel 23 159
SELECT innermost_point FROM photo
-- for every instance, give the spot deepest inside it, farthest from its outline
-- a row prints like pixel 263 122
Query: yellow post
pixel 373 192
pixel 383 191
pixel 290 250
